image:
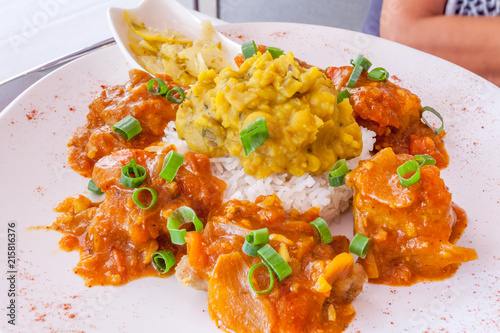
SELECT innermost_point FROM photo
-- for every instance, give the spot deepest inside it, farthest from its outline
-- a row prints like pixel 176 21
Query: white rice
pixel 300 193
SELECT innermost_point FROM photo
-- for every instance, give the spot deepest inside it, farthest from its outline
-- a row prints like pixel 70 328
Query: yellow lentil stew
pixel 308 130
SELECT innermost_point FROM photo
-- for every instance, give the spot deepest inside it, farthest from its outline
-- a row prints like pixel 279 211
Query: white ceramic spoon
pixel 161 15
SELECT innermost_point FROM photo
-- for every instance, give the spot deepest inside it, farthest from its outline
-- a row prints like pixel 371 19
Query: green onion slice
pixel 409 166
pixel 92 187
pixel 259 237
pixel 254 135
pixel 379 74
pixel 249 248
pixel 354 76
pixel 171 165
pixel 336 177
pixel 274 51
pixel 271 279
pixel 273 259
pixel 172 98
pixel 323 230
pixel 163 261
pixel 361 61
pixel 431 110
pixel 424 160
pixel 249 49
pixel 154 197
pixel 359 245
pixel 179 217
pixel 128 127
pixel 130 169
pixel 343 95
pixel 254 240
pixel 160 89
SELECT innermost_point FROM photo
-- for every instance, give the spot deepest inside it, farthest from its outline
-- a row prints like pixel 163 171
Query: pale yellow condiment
pixel 308 130
pixel 170 52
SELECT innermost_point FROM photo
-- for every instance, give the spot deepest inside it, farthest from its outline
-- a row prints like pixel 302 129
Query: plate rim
pixel 111 49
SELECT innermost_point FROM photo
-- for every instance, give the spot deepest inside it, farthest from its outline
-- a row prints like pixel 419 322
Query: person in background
pixel 466 32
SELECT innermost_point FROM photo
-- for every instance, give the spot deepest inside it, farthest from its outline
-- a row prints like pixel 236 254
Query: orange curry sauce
pixel 393 113
pixel 412 229
pixel 116 238
pixel 97 138
pixel 316 297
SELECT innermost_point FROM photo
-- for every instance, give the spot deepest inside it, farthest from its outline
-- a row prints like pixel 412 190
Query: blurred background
pixel 34 32
pixel 346 14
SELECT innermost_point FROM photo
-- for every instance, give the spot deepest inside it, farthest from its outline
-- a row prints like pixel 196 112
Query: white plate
pixel 34 130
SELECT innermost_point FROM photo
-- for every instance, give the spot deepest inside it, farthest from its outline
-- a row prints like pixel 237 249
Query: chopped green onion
pixel 173 99
pixel 138 171
pixel 431 110
pixel 273 259
pixel 163 261
pixel 253 241
pixel 171 165
pixel 92 187
pixel 361 61
pixel 336 177
pixel 154 197
pixel 323 230
pixel 254 135
pixel 271 279
pixel 274 51
pixel 353 79
pixel 379 74
pixel 249 248
pixel 343 95
pixel 128 127
pixel 424 160
pixel 249 49
pixel 360 64
pixel 359 245
pixel 259 237
pixel 160 89
pixel 409 166
pixel 179 217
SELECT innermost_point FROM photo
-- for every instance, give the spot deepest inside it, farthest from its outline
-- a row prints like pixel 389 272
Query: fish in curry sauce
pixel 309 132
pixel 413 229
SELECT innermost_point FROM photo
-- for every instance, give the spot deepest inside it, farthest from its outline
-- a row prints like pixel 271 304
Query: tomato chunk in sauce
pixel 97 138
pixel 413 229
pixel 393 113
pixel 116 238
pixel 316 296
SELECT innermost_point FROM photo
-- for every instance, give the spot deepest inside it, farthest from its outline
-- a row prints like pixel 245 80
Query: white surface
pixel 33 32
pixel 36 178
